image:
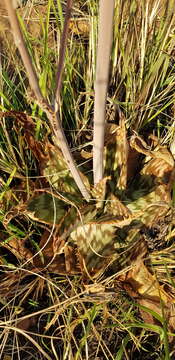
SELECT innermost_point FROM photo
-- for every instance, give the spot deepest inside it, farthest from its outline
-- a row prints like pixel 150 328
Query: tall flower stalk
pixel 105 32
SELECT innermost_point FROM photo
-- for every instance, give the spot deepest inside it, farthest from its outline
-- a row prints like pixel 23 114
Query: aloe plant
pixel 108 213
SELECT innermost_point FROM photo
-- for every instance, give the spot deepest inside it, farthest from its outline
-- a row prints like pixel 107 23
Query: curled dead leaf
pixel 158 161
pixel 25 122
pixel 148 292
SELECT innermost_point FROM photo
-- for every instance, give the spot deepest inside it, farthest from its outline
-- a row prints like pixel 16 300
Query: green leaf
pixel 57 173
pixel 47 208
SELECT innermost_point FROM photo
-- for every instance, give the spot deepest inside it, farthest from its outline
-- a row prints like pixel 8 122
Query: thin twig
pixel 63 43
pixel 60 139
pixel 106 11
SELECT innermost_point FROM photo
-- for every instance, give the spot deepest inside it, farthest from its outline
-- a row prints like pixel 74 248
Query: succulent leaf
pixel 47 209
pixel 117 153
pixel 95 243
pixel 57 173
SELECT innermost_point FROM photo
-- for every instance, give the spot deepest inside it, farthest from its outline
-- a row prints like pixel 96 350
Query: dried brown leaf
pixel 100 293
pixel 159 166
pixel 145 287
pixel 71 260
pixel 11 214
pixel 25 122
pixel 158 162
pixel 58 256
pixel 86 154
pixel 137 143
pixel 17 247
pixel 66 263
pixel 26 324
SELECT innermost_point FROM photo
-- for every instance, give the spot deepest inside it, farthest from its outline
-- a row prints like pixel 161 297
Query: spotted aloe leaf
pixel 95 243
pixel 47 209
pixel 74 218
pixel 99 191
pixel 65 215
pixel 116 208
pixel 155 174
pixel 57 173
pixel 117 153
pixel 153 205
pixel 134 247
pixel 119 222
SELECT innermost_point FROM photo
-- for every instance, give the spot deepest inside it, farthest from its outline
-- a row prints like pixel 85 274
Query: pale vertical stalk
pixel 19 41
pixel 105 36
pixel 60 139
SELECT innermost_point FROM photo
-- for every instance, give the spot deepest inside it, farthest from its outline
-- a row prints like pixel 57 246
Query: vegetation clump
pixel 87 180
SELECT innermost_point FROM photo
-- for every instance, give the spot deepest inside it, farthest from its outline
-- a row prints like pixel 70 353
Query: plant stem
pixel 106 11
pixel 63 43
pixel 19 41
pixel 60 139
